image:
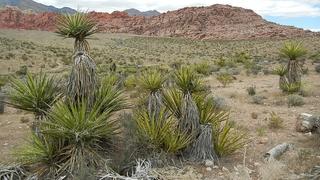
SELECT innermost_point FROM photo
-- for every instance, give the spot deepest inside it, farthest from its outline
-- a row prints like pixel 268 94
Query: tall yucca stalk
pixel 152 82
pixel 82 81
pixel 36 94
pixel 293 51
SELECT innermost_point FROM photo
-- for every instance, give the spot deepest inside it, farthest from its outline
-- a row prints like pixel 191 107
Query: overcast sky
pixel 300 13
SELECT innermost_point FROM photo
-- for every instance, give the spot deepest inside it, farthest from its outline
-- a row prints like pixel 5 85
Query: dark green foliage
pixel 37 93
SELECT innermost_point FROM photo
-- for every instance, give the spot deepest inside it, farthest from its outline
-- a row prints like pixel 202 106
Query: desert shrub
pixel 242 57
pixel 317 68
pixel 225 79
pixel 220 103
pixel 23 70
pixel 295 100
pixel 130 82
pixel 257 99
pixel 251 90
pixel 203 68
pixel 275 121
pixel 221 62
pixel 151 81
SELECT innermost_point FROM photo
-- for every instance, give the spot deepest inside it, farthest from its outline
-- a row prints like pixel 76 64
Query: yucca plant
pixel 290 87
pixel 78 26
pixel 110 98
pixel 75 136
pixel 281 71
pixel 82 81
pixel 160 131
pixel 293 51
pixel 227 140
pixel 172 99
pixel 36 94
pixel 152 82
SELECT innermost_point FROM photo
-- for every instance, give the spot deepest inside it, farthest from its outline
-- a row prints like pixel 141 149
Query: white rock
pixel 215 167
pixel 5 144
pixel 208 163
pixel 257 164
pixel 209 169
pixel 225 169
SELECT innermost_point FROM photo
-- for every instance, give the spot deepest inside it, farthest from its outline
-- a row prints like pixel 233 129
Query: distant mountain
pixel 136 12
pixel 216 22
pixel 35 6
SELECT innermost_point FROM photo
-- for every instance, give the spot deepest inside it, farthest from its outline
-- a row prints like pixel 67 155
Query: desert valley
pixel 212 92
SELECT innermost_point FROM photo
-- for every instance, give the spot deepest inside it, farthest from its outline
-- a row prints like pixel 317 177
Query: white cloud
pixel 283 8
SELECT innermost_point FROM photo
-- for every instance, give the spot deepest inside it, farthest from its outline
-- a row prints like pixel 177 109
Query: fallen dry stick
pixel 277 151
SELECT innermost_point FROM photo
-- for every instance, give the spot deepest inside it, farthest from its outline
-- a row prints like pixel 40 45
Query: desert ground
pixel 44 51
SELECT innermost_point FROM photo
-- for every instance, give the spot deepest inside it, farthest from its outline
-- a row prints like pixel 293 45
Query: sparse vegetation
pixel 225 79
pixel 251 90
pixel 295 100
pixel 275 121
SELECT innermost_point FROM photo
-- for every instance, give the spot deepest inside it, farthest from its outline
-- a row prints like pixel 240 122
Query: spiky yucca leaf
pixel 109 98
pixel 280 70
pixel 175 141
pixel 35 94
pixel 292 50
pixel 151 81
pixel 188 81
pixel 78 26
pixel 40 153
pixel 209 113
pixel 172 99
pixel 161 131
pixel 227 140
pixel 290 87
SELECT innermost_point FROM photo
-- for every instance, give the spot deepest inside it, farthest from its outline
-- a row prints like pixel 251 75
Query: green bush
pixel 203 68
pixel 225 79
pixel 295 100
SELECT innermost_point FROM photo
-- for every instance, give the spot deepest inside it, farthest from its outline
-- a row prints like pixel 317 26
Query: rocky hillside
pixel 31 5
pixel 135 12
pixel 213 22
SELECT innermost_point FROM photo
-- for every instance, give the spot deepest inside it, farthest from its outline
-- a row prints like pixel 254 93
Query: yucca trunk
pixel 154 104
pixel 82 82
pixel 282 81
pixel 293 72
pixel 190 121
pixel 203 146
pixel 2 104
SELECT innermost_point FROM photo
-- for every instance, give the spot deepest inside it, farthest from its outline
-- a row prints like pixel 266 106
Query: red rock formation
pixel 213 22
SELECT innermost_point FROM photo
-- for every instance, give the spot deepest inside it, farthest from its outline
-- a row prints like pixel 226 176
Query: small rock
pixel 209 163
pixel 263 140
pixel 209 169
pixel 225 169
pixel 257 164
pixel 5 144
pixel 215 167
